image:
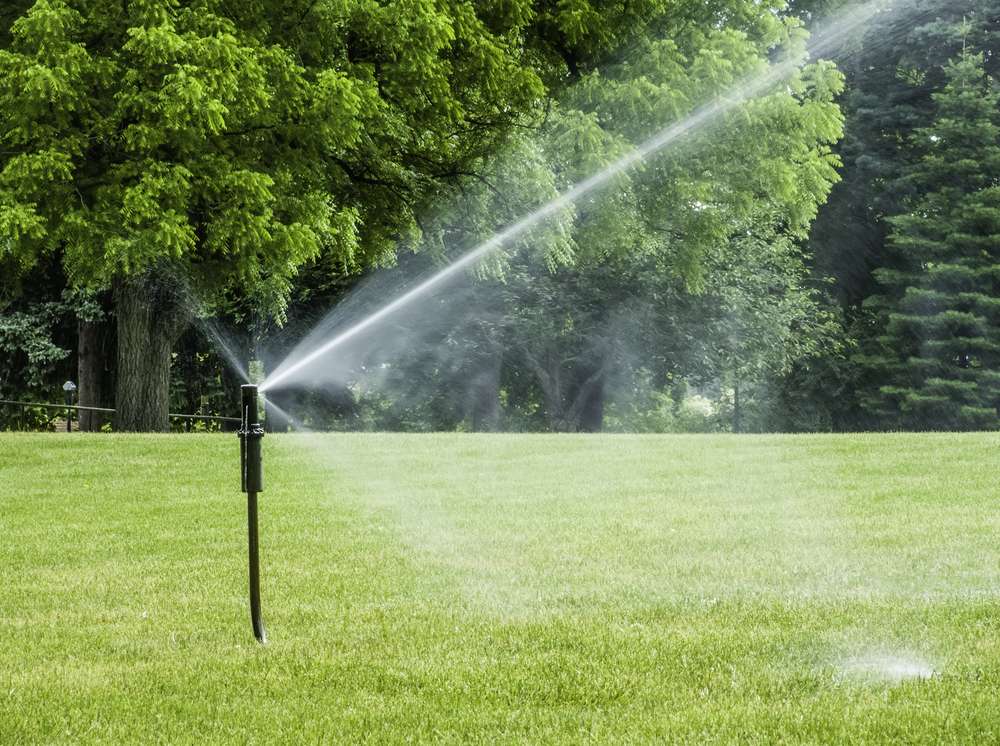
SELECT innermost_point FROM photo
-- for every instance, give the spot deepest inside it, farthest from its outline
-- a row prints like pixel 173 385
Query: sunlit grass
pixel 502 588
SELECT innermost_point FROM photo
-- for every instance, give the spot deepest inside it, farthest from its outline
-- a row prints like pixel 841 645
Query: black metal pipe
pixel 256 618
pixel 252 482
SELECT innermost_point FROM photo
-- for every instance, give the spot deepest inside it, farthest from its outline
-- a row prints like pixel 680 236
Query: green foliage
pixel 646 406
pixel 715 215
pixel 891 76
pixel 29 333
pixel 237 144
pixel 940 344
pixel 31 343
pixel 236 141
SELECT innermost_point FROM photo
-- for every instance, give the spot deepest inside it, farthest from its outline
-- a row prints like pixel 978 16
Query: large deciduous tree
pixel 167 150
pixel 549 339
pixel 763 170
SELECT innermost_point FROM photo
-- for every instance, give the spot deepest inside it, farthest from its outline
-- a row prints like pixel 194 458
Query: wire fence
pixel 69 409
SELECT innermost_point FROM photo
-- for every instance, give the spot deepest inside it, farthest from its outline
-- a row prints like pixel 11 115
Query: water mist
pixel 296 365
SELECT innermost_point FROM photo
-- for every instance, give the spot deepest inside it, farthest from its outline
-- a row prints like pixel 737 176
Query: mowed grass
pixel 460 588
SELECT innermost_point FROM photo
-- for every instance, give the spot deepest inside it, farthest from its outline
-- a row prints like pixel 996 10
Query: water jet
pixel 311 351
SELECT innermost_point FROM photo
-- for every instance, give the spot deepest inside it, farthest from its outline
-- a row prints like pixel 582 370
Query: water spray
pixel 828 40
pixel 251 434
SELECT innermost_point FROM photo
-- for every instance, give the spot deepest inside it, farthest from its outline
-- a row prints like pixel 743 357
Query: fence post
pixel 69 388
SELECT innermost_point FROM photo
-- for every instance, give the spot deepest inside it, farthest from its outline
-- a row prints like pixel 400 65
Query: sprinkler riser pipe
pixel 251 433
pixel 253 553
pixel 252 478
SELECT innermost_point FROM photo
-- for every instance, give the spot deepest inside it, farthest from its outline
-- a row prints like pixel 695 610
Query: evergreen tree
pixel 891 76
pixel 939 354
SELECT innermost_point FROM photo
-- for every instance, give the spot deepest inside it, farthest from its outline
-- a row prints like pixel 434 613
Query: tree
pixel 223 144
pixel 890 80
pixel 575 299
pixel 768 166
pixel 761 317
pixel 891 75
pixel 37 334
pixel 939 351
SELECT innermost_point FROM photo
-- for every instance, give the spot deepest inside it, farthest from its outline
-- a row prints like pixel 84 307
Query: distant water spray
pixel 271 408
pixel 827 40
pixel 187 296
pixel 210 328
pixel 879 666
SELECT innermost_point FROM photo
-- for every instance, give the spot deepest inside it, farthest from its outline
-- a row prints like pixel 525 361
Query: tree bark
pixel 485 395
pixel 90 371
pixel 576 405
pixel 592 405
pixel 585 412
pixel 548 373
pixel 150 318
pixel 737 414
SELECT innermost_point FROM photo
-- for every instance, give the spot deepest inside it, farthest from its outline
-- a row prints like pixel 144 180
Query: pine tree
pixel 939 356
pixel 891 76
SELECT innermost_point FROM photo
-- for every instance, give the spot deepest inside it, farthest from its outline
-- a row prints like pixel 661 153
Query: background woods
pixel 186 187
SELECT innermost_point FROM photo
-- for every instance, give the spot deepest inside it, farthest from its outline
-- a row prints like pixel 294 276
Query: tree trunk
pixel 149 318
pixel 585 412
pixel 737 414
pixel 90 370
pixel 592 407
pixel 549 376
pixel 576 405
pixel 485 395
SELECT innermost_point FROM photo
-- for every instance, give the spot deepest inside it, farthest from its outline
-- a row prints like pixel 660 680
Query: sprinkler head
pixel 251 433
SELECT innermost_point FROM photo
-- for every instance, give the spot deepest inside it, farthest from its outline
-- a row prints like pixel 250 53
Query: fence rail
pixel 77 408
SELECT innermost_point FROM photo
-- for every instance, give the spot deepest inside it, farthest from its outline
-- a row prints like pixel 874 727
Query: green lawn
pixel 502 589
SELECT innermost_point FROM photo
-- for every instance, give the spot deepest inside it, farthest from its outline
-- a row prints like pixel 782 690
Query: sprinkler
pixel 252 481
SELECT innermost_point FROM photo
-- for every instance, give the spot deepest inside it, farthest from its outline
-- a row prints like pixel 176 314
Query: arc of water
pixel 828 39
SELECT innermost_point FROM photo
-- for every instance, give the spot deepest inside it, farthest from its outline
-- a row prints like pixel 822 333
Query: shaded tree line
pixel 822 259
pixel 910 236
